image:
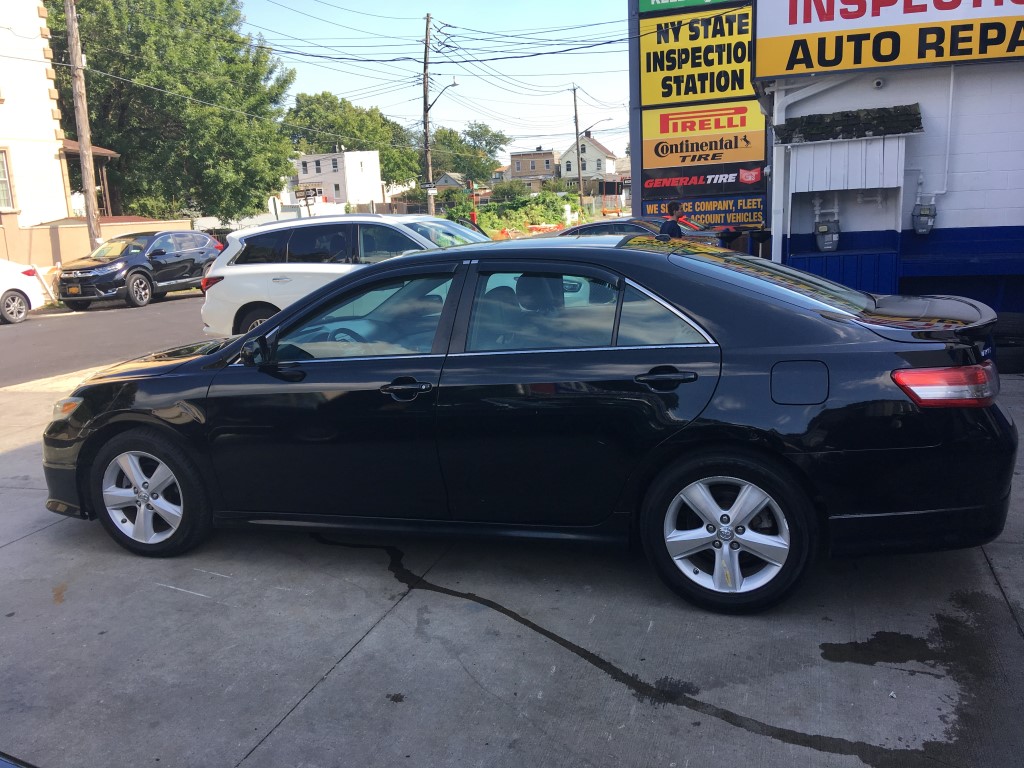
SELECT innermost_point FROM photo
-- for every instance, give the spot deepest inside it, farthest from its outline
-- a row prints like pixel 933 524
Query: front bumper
pixel 62 487
pixel 98 289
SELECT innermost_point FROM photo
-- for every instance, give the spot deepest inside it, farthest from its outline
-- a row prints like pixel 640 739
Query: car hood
pixel 160 363
pixel 901 318
pixel 85 263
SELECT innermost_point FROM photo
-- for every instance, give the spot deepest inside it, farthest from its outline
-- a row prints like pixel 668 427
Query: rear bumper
pixel 923 531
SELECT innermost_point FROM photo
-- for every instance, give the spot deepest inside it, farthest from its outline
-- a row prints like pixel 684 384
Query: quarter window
pixel 394 317
pixel 267 248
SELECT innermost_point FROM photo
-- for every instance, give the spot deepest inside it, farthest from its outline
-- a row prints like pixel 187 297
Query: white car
pixel 20 291
pixel 266 268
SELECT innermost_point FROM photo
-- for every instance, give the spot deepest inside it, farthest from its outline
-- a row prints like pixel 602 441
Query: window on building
pixel 334 163
pixel 583 165
pixel 568 166
pixel 337 191
pixel 6 194
pixel 519 166
pixel 533 165
pixel 316 166
pixel 547 164
pixel 305 169
pixel 583 149
pixel 599 163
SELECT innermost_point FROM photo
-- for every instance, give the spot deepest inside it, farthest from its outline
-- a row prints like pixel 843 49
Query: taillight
pixel 30 272
pixel 206 282
pixel 968 386
pixel 218 245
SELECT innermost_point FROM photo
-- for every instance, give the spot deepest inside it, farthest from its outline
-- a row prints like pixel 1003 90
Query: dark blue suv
pixel 135 268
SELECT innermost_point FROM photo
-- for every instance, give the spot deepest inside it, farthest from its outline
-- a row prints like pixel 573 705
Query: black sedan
pixel 733 414
pixel 636 227
pixel 136 268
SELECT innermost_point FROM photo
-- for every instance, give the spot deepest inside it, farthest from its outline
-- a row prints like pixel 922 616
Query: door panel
pixel 330 444
pixel 550 438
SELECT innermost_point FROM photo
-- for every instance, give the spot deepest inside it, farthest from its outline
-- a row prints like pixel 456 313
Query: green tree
pixel 473 153
pixel 323 122
pixel 507 191
pixel 557 184
pixel 190 103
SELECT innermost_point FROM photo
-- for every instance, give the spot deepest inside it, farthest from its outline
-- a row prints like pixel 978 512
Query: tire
pixel 13 307
pixel 255 317
pixel 140 290
pixel 77 305
pixel 149 495
pixel 721 550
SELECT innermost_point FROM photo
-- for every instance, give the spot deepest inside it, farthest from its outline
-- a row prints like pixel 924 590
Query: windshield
pixel 444 233
pixel 118 247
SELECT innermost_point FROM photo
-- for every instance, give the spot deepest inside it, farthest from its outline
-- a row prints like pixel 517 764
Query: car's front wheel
pixel 731 533
pixel 148 494
pixel 140 290
pixel 13 307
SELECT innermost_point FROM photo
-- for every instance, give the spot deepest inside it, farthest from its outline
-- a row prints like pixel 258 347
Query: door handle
pixel 665 381
pixel 405 388
pixel 281 280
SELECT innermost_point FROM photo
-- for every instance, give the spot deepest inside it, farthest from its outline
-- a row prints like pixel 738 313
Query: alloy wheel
pixel 142 497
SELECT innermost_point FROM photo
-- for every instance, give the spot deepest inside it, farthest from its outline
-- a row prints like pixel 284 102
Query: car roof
pixel 396 218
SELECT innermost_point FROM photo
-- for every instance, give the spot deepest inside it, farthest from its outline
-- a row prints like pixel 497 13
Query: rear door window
pixel 328 243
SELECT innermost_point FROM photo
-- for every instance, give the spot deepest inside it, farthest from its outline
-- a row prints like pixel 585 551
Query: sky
pixel 515 64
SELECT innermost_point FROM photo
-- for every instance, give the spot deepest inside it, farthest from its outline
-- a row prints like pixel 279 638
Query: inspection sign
pixel 809 36
pixel 698 56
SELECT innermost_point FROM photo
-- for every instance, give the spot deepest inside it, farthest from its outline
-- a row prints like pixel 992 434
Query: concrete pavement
pixel 270 649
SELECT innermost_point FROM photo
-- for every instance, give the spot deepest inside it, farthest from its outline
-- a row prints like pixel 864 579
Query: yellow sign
pixel 700 56
pixel 817 37
pixel 709 134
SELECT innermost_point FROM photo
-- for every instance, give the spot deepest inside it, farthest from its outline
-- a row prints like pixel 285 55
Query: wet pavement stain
pixel 960 643
pixel 59 591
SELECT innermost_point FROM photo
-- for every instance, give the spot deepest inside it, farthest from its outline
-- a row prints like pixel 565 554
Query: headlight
pixel 117 266
pixel 63 409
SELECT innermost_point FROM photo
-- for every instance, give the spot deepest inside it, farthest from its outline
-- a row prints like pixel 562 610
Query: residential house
pixel 450 180
pixel 535 167
pixel 341 178
pixel 595 164
pixel 500 174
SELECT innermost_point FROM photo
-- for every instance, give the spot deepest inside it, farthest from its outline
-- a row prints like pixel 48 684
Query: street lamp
pixel 426 136
pixel 579 163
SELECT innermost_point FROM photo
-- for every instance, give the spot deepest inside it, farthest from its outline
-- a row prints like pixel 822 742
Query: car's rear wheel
pixel 13 306
pixel 148 495
pixel 255 317
pixel 728 533
pixel 140 290
pixel 77 305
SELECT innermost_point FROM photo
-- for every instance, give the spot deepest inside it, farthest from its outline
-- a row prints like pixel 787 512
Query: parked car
pixel 20 291
pixel 138 268
pixel 732 413
pixel 266 268
pixel 635 227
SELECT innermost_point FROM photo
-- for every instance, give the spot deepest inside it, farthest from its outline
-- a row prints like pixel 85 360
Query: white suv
pixel 266 268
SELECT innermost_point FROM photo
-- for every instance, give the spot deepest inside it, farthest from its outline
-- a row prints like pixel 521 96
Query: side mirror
pixel 251 353
pixel 158 252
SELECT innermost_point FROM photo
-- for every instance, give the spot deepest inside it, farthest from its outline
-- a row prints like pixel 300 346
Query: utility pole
pixel 579 165
pixel 426 116
pixel 92 214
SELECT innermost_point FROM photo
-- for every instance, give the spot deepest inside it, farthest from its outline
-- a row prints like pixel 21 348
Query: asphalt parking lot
pixel 271 649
